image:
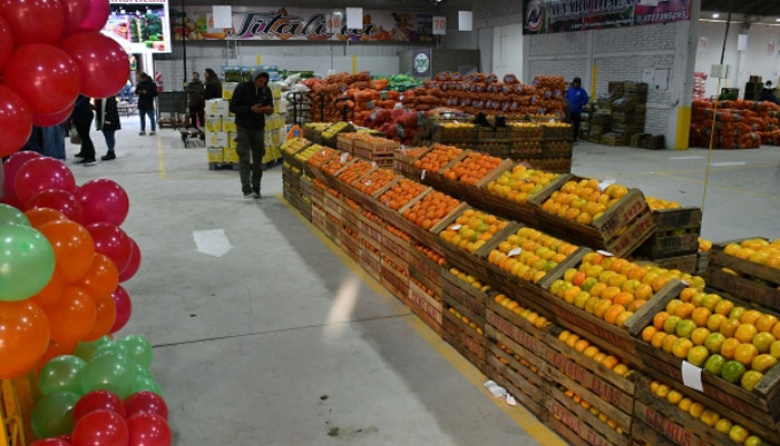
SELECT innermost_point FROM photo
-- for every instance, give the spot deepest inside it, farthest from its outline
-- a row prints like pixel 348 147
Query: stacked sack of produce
pixel 739 124
pixel 400 125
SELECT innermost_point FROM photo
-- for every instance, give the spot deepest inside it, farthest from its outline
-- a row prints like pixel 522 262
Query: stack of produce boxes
pixel 217 140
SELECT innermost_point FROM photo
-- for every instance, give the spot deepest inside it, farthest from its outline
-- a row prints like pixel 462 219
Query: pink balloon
pixel 98 400
pixel 148 429
pixel 11 168
pixel 102 62
pixel 48 120
pixel 124 307
pixel 15 120
pixel 41 174
pixel 101 428
pixel 85 15
pixel 112 242
pixel 133 265
pixel 6 42
pixel 104 201
pixel 60 200
pixel 146 402
pixel 54 441
pixel 34 21
pixel 45 76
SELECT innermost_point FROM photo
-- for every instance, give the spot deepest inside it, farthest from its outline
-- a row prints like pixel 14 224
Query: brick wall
pixel 622 68
pixel 558 44
pixel 636 39
pixel 568 68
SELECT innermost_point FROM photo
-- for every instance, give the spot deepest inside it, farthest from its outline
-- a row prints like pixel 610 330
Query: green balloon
pixel 61 374
pixel 112 348
pixel 53 414
pixel 26 262
pixel 140 349
pixel 144 383
pixel 9 215
pixel 85 350
pixel 112 372
pixel 142 371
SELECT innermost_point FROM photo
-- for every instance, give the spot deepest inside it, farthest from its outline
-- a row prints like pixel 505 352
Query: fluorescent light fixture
pixel 777 19
pixel 355 18
pixel 715 15
pixel 223 16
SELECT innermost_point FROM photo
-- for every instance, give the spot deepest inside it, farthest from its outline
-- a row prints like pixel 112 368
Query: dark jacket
pixel 577 99
pixel 82 109
pixel 244 97
pixel 146 91
pixel 107 114
pixel 195 92
pixel 213 90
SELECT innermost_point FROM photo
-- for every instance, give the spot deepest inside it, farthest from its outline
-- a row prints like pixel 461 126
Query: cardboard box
pixel 216 139
pixel 230 156
pixel 216 155
pixel 227 89
pixel 218 108
pixel 214 124
pixel 232 140
pixel 229 124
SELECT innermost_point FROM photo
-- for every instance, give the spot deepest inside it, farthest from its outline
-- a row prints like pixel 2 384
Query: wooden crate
pixel 398 249
pixel 395 281
pixel 676 233
pixel 426 271
pixel 350 243
pixel 528 387
pixel 512 210
pixel 425 306
pixel 371 229
pixel 570 420
pixel 465 298
pixel 476 263
pixel 318 216
pixel 745 286
pixel 371 261
pixel 333 229
pixel 466 340
pixel 687 264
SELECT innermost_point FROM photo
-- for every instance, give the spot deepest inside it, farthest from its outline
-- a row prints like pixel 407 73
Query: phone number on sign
pixel 665 16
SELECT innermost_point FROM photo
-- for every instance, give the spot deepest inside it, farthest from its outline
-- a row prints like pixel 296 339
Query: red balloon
pixel 132 265
pixel 148 429
pixel 51 442
pixel 102 62
pixel 85 15
pixel 41 174
pixel 106 316
pixel 98 400
pixel 51 119
pixel 113 242
pixel 59 200
pixel 45 76
pixel 146 402
pixel 34 21
pixel 11 167
pixel 73 248
pixel 103 201
pixel 24 337
pixel 15 118
pixel 124 307
pixel 101 428
pixel 101 279
pixel 73 317
pixel 6 42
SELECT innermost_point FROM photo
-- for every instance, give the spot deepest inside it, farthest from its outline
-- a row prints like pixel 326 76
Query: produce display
pixel 401 193
pixel 659 203
pixel 584 201
pixel 757 250
pixel 318 155
pixel 431 254
pixel 429 210
pixel 472 230
pixel 471 169
pixel 375 181
pixel 739 124
pixel 520 183
pixel 336 163
pixel 437 158
pixel 354 171
pixel 530 254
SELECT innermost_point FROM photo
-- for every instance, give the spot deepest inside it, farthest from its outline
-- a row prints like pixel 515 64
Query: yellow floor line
pixel 160 158
pixel 526 420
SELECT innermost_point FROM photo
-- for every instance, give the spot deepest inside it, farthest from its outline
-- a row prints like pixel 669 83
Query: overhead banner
pixel 140 26
pixel 554 16
pixel 303 24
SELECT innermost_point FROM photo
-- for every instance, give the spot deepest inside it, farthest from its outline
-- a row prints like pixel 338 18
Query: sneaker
pixel 152 133
pixel 87 162
pixel 141 133
pixel 257 195
pixel 79 155
pixel 108 156
pixel 248 195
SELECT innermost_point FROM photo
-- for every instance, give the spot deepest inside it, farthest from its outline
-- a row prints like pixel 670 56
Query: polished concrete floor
pixel 281 342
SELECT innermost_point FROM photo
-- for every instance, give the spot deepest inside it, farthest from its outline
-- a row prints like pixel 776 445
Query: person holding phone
pixel 251 101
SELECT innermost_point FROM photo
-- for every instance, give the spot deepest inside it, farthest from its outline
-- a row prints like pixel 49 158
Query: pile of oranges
pixel 427 290
pixel 472 168
pixel 337 163
pixel 583 201
pixel 352 204
pixel 354 171
pixel 437 158
pixel 368 215
pixel 469 279
pixel 431 254
pixel 467 321
pixel 399 233
pixel 532 317
pixel 414 153
pixel 584 346
pixel 319 184
pixel 658 203
pixel 374 181
pixel 401 193
pixel 756 250
pixel 472 229
pixel 319 155
pixel 431 209
pixel 530 254
pixel 294 145
pixel 520 183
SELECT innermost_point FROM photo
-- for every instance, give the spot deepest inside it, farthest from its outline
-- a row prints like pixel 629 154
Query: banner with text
pixel 553 16
pixel 140 26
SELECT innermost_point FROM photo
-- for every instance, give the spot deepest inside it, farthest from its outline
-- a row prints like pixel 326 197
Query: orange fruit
pixel 581 345
pixel 763 362
pixel 714 342
pixel 750 316
pixel 598 357
pixel 623 318
pixel 729 348
pixel 668 343
pixel 601 308
pixel 746 332
pixel 699 336
pixel 672 306
pixel 745 353
pixel 714 321
pixel 724 307
pixel 738 434
pixel 723 426
pixel 776 331
pixel 711 301
pixel 648 332
pixel 696 410
pixel 687 294
pixel 681 347
pixel 763 342
pixel 591 351
pixel 765 323
pixel 709 417
pixel 660 319
pixel 658 339
pixel 729 327
pixel 674 397
pixel 698 355
pixel 685 310
pixel 613 313
pixel 610 362
pixel 663 390
pixel 700 316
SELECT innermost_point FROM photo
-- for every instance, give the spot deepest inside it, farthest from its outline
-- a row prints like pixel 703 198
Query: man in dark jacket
pixel 251 101
pixel 82 117
pixel 197 102
pixel 146 91
pixel 577 98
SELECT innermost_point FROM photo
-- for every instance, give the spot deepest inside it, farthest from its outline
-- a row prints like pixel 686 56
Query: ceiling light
pixel 777 19
pixel 715 15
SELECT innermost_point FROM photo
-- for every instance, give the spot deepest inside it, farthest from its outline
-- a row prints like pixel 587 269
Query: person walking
pixel 213 85
pixel 82 117
pixel 251 101
pixel 577 99
pixel 108 123
pixel 146 91
pixel 197 103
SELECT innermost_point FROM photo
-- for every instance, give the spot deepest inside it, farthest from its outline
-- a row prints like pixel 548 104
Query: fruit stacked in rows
pixel 584 346
pixel 658 203
pixel 434 256
pixel 532 317
pixel 472 230
pixel 401 193
pixel 471 169
pixel 520 183
pixel 756 250
pixel 711 332
pixel 319 184
pixel 387 261
pixel 399 233
pixel 612 289
pixel 293 145
pixel 530 254
pixel 593 410
pixel 352 204
pixel 335 164
pixel 519 358
pixel 583 201
pixel 319 156
pixel 354 171
pixel 706 415
pixel 425 289
pixel 309 152
pixel 428 211
pixel 469 279
pixel 414 153
pixel 467 321
pixel 375 180
pixel 371 216
pixel 437 158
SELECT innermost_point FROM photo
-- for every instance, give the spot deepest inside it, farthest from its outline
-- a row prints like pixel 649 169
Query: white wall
pixel 508 50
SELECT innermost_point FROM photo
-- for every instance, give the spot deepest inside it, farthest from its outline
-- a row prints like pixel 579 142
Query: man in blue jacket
pixel 577 98
pixel 251 101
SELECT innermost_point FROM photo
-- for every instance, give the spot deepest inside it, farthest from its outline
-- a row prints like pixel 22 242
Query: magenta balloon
pixel 148 429
pixel 45 76
pixel 51 442
pixel 34 21
pixel 60 200
pixel 124 307
pixel 146 402
pixel 98 400
pixel 102 62
pixel 15 120
pixel 133 265
pixel 11 168
pixel 7 44
pixel 104 201
pixel 101 428
pixel 48 120
pixel 112 242
pixel 41 174
pixel 85 15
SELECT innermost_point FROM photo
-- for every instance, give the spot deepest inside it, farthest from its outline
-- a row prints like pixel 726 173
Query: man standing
pixel 146 91
pixel 195 95
pixel 251 101
pixel 577 98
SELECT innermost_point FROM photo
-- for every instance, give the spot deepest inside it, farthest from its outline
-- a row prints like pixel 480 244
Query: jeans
pixel 250 147
pixel 54 141
pixel 110 136
pixel 83 122
pixel 126 94
pixel 143 114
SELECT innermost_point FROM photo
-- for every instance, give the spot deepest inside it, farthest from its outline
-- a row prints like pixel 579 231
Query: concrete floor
pixel 280 342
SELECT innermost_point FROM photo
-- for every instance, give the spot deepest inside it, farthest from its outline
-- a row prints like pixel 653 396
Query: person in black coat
pixel 108 122
pixel 82 117
pixel 213 85
pixel 146 91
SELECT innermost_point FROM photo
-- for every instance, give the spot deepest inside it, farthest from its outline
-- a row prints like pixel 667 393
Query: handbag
pixel 74 135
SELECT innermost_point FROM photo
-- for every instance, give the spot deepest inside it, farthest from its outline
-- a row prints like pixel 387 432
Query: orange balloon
pixel 73 248
pixel 73 317
pixel 50 294
pixel 24 337
pixel 55 349
pixel 40 216
pixel 101 279
pixel 106 315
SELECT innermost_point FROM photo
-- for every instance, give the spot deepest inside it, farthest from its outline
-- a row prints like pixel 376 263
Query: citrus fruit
pixel 750 379
pixel 668 343
pixel 738 434
pixel 674 397
pixel 732 371
pixel 658 339
pixel 663 391
pixel 765 323
pixel 745 332
pixel 648 332
pixel 729 327
pixel 715 340
pixel 763 341
pixel 659 320
pixel 711 301
pixel 671 324
pixel 745 353
pixel 723 426
pixel 696 410
pixel 685 404
pixel 737 312
pixel 672 306
pixel 699 336
pixel 682 346
pixel 700 316
pixel 763 362
pixel 685 328
pixel 714 364
pixel 729 348
pixel 698 355
pixel 753 441
pixel 709 417
pixel 714 321
pixel 774 349
pixel 750 316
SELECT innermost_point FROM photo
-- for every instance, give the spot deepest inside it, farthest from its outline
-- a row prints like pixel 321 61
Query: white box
pixel 216 139
pixel 217 107
pixel 229 124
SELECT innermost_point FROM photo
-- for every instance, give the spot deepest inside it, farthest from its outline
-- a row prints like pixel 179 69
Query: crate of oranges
pixel 429 212
pixel 749 269
pixel 427 167
pixel 397 195
pixel 405 157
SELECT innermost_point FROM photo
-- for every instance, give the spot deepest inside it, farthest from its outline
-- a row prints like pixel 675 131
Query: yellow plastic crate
pixel 216 155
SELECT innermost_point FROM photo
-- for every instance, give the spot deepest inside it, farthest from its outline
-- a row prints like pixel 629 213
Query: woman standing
pixel 108 123
pixel 146 91
pixel 82 117
pixel 213 85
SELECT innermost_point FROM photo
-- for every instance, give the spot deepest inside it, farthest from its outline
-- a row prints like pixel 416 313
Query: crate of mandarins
pixel 599 215
pixel 748 269
pixel 677 230
pixel 465 177
pixel 394 197
pixel 465 334
pixel 425 303
pixel 426 267
pixel 430 212
pixel 404 158
pixel 426 169
pixel 510 193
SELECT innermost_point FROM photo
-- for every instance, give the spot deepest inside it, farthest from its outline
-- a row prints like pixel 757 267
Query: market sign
pixel 303 24
pixel 421 63
pixel 140 26
pixel 552 16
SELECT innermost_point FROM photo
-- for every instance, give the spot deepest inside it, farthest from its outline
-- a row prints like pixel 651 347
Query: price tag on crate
pixel 691 376
pixel 455 227
pixel 605 253
pixel 422 175
pixel 515 252
pixel 403 150
pixel 344 157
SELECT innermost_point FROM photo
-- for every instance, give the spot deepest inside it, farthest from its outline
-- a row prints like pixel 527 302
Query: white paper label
pixel 368 183
pixel 511 400
pixel 456 227
pixel 606 183
pixel 605 253
pixel 373 164
pixel 344 157
pixel 323 153
pixel 691 376
pixel 496 390
pixel 422 176
pixel 515 252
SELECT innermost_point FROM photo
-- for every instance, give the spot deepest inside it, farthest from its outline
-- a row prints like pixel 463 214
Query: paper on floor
pixel 212 242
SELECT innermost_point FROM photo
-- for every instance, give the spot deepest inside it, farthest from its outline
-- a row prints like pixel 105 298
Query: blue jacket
pixel 577 98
